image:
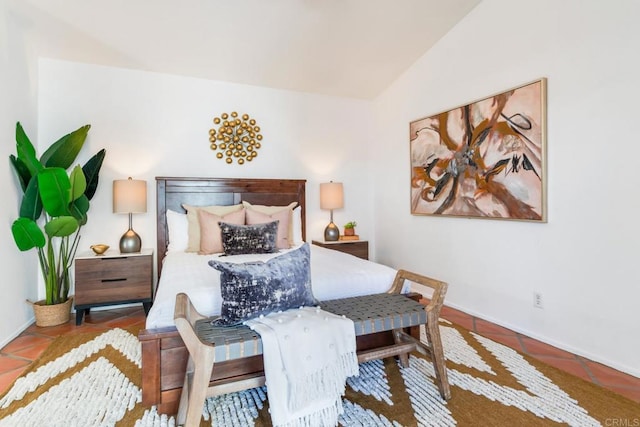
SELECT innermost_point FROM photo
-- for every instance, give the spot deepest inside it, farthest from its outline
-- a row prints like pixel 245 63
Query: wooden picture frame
pixel 486 159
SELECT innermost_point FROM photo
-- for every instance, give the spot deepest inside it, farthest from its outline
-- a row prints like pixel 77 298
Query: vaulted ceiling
pixel 351 48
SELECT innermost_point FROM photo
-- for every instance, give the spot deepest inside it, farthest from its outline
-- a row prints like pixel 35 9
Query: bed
pixel 164 357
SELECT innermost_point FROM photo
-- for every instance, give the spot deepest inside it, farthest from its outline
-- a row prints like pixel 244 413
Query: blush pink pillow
pixel 210 234
pixel 282 239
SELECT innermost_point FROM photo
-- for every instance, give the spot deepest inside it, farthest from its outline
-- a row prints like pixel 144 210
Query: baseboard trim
pixel 16 334
pixel 580 352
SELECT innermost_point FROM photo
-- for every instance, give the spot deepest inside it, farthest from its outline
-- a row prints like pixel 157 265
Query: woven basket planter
pixel 51 315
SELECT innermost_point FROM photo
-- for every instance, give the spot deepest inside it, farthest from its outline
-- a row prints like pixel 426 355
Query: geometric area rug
pixel 94 379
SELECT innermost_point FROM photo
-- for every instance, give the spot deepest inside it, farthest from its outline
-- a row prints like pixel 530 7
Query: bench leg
pixel 404 357
pixel 184 396
pixel 199 383
pixel 437 355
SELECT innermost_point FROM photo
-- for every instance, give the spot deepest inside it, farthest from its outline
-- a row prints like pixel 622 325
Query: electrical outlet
pixel 537 300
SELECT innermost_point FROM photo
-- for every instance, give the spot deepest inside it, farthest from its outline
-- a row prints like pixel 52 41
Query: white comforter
pixel 333 275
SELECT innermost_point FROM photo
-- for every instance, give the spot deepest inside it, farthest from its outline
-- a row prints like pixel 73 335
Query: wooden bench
pixel 209 344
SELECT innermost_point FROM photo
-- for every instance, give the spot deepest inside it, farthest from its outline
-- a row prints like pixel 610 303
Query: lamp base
pixel 331 233
pixel 130 242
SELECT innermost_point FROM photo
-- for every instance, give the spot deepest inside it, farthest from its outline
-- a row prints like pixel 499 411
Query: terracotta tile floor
pixel 16 356
pixel 19 353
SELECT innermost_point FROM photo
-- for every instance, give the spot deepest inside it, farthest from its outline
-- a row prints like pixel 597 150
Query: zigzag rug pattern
pixel 94 380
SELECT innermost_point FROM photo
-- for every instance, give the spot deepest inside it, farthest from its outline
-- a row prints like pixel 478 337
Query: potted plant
pixel 53 209
pixel 350 228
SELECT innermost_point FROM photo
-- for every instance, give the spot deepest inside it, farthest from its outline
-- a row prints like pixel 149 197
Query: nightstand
pixel 359 248
pixel 113 278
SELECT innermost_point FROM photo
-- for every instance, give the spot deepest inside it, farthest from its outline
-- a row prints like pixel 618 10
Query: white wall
pixel 584 260
pixel 18 84
pixel 158 125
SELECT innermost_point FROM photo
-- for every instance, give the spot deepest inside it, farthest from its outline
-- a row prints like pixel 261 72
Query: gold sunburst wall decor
pixel 236 137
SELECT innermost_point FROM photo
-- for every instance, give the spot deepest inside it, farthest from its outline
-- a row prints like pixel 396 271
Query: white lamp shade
pixel 129 196
pixel 331 195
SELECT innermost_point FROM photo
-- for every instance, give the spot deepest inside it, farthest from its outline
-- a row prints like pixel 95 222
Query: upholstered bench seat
pixel 230 342
pixel 369 313
pixel 379 312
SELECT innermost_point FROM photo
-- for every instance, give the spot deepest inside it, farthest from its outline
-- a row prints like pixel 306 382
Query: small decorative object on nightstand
pixel 350 231
pixel 359 248
pixel 113 278
pixel 350 228
pixel 99 249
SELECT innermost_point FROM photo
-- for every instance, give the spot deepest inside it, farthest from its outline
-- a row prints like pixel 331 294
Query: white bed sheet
pixel 333 275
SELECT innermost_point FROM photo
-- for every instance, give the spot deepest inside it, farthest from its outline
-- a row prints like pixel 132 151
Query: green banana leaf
pixel 78 183
pixel 31 206
pixel 91 171
pixel 24 176
pixel 26 151
pixel 64 151
pixel 79 209
pixel 27 234
pixel 55 191
pixel 61 226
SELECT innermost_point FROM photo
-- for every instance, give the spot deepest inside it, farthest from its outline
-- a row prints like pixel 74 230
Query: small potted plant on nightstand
pixel 53 208
pixel 350 228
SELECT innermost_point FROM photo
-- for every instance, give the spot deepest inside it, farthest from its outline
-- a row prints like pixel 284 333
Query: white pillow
pixel 297 226
pixel 178 226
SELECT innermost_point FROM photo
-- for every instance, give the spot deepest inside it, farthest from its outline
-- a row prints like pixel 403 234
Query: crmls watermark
pixel 622 422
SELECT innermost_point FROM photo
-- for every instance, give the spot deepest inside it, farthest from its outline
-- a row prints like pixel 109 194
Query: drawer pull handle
pixel 114 280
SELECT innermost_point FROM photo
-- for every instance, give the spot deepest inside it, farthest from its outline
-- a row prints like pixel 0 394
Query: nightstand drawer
pixel 96 291
pixel 359 248
pixel 112 279
pixel 113 268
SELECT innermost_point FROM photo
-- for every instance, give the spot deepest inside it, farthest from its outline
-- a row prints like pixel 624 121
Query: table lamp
pixel 331 197
pixel 130 196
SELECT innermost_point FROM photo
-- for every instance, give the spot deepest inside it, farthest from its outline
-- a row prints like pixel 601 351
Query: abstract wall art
pixel 485 159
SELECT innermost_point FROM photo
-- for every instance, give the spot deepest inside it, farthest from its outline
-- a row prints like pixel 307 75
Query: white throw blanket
pixel 308 354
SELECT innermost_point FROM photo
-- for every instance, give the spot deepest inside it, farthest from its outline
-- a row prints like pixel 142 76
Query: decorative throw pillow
pixel 297 227
pixel 210 234
pixel 178 228
pixel 249 239
pixel 254 288
pixel 270 210
pixel 282 239
pixel 194 224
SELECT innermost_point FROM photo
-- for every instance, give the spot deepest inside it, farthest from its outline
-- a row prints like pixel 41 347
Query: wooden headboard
pixel 172 192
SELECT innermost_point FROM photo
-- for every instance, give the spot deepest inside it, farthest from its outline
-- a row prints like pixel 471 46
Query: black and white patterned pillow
pixel 254 288
pixel 249 239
